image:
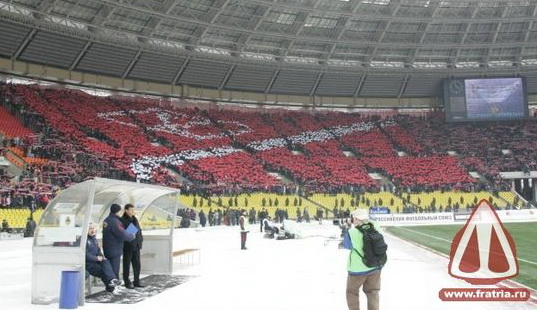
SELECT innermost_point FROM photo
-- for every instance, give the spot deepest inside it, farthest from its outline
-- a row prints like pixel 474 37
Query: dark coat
pixel 203 218
pixel 101 269
pixel 92 250
pixel 136 244
pixel 114 235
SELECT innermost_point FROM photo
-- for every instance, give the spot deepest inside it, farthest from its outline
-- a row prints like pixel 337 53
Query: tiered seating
pixel 16 160
pixel 204 144
pixel 247 201
pixel 11 127
pixel 201 203
pixel 369 143
pixel 17 217
pixel 452 198
pixel 246 127
pixel 255 200
pixel 511 198
pixel 184 129
pixel 483 140
pixel 335 119
pixel 328 201
pixel 237 168
pixel 365 200
pixel 79 118
pixel 346 171
pixel 17 150
pixel 222 150
pixel 62 168
pixel 299 167
pixel 283 125
pixel 382 199
pixel 423 171
pixel 404 139
pixel 86 111
pixel 34 101
pixel 304 121
pixel 29 160
pixel 474 164
pixel 326 148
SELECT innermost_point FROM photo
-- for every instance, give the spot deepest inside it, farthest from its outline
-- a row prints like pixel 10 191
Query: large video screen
pixel 485 99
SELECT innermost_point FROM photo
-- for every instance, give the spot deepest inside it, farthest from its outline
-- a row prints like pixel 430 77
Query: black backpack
pixel 375 247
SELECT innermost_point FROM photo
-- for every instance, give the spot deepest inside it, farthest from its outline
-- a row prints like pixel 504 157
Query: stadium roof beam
pixel 359 86
pixel 180 71
pixel 24 44
pixel 296 28
pixel 259 15
pixel 486 59
pixel 356 7
pixel 299 23
pixel 226 78
pixel 465 34
pixel 423 34
pixel 338 32
pixel 380 14
pixel 383 32
pixel 131 64
pixel 316 84
pixel 531 23
pixel 527 33
pixel 205 24
pixel 80 55
pixel 403 86
pixel 272 80
pixel 104 15
pixel 318 36
pixel 155 21
pixel 201 30
pixel 44 7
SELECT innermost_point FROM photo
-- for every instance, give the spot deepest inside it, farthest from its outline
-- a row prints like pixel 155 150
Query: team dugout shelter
pixel 61 234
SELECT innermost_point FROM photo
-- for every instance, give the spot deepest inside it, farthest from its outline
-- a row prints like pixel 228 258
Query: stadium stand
pixel 258 157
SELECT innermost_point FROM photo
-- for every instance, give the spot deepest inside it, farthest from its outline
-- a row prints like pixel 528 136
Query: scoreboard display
pixel 485 99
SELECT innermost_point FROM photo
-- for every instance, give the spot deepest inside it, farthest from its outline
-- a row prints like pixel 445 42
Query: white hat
pixel 361 214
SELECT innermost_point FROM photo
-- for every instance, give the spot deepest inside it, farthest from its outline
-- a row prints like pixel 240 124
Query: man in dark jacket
pixel 30 227
pixel 203 218
pixel 114 235
pixel 131 249
pixel 96 264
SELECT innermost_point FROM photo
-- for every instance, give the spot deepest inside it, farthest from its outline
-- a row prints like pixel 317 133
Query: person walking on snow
pixel 243 225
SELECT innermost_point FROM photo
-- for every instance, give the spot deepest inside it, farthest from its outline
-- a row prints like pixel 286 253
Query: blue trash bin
pixel 69 289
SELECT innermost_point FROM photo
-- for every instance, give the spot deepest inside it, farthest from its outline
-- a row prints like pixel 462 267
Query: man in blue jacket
pixel 96 264
pixel 114 235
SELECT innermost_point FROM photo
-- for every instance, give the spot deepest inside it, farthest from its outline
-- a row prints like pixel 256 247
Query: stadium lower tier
pixel 435 201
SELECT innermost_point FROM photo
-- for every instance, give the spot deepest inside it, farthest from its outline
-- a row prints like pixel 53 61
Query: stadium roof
pixel 365 48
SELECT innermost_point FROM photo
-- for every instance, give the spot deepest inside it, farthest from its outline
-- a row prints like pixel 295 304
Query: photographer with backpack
pixel 366 259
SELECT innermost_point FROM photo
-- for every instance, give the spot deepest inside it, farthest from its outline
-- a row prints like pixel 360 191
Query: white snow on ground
pixel 307 273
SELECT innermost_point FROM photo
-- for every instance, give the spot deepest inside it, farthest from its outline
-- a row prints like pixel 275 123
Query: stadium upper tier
pixel 216 149
pixel 341 48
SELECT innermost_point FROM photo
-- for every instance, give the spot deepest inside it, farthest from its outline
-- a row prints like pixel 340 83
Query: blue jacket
pixel 92 250
pixel 114 235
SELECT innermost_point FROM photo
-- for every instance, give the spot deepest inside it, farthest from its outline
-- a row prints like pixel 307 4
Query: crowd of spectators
pixel 83 136
pixel 485 147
